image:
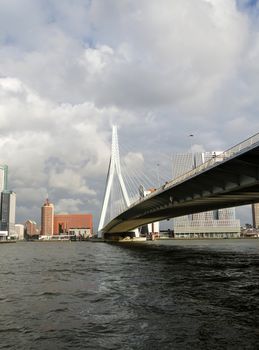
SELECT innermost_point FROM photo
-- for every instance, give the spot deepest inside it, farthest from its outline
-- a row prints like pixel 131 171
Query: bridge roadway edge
pixel 231 182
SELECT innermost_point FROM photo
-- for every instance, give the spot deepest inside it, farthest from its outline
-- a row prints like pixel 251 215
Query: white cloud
pixel 70 181
pixel 95 60
pixel 133 159
pixel 158 69
pixel 68 205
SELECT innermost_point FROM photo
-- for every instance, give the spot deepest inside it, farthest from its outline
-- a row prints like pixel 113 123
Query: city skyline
pixel 53 224
pixel 181 163
pixel 96 63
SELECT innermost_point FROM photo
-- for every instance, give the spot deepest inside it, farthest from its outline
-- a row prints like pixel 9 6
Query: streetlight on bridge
pixel 193 153
pixel 158 175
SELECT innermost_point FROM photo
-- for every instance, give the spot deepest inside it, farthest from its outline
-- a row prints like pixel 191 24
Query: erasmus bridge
pixel 227 180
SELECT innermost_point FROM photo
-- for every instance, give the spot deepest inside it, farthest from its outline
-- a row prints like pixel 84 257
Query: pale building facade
pixel 220 223
pixel 3 177
pixel 255 215
pixel 3 235
pixel 19 231
pixel 154 227
pixel 80 233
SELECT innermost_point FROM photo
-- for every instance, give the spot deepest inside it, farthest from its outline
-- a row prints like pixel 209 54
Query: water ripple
pixel 99 296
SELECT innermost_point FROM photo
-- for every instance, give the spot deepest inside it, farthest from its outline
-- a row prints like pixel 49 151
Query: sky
pixel 160 70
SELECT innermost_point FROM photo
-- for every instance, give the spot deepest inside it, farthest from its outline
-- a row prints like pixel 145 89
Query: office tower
pixel 47 218
pixel 255 215
pixel 65 223
pixel 8 205
pixel 3 177
pixel 216 223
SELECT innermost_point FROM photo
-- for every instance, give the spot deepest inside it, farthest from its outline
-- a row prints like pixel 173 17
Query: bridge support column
pixel 114 167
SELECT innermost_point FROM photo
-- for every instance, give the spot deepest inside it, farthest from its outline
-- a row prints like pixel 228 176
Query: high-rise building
pixel 216 223
pixel 8 205
pixel 255 215
pixel 47 218
pixel 3 178
pixel 64 223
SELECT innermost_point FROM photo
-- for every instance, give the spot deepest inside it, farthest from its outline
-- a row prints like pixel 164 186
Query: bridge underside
pixel 230 183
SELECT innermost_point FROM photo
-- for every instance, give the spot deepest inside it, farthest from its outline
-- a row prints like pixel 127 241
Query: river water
pixel 162 295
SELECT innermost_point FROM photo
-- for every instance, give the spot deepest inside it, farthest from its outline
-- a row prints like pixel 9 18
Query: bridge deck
pixel 228 180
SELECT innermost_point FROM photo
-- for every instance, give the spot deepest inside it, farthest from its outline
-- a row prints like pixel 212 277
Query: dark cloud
pixel 161 71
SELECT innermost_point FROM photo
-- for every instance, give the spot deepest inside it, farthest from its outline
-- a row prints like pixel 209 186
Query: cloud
pixel 133 159
pixel 70 181
pixel 68 205
pixel 161 71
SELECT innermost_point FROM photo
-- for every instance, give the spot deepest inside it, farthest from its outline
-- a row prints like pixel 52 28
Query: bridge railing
pixel 244 145
pixel 239 148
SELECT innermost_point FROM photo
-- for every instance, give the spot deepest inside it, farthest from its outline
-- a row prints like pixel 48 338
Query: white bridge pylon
pixel 114 167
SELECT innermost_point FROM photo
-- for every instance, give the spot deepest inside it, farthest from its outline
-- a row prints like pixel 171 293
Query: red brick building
pixel 47 218
pixel 30 228
pixel 65 222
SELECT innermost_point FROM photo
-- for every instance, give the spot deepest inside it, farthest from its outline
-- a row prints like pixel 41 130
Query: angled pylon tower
pixel 114 167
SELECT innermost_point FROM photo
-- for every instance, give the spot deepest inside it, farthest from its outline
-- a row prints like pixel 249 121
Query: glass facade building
pixel 211 224
pixel 8 205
